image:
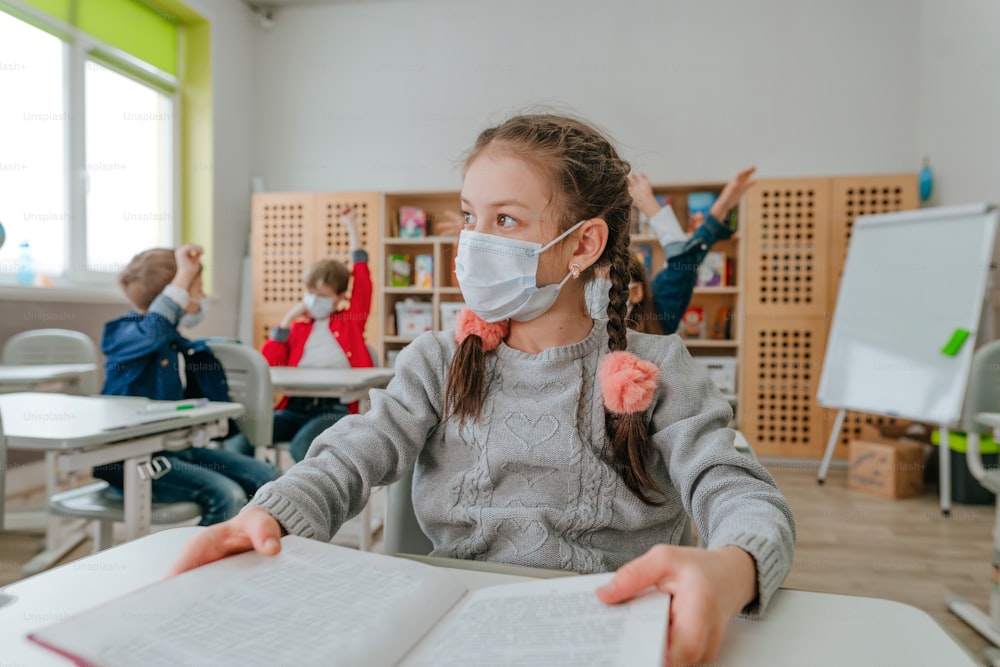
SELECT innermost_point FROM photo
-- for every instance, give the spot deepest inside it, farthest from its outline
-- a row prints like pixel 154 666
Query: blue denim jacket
pixel 673 285
pixel 142 359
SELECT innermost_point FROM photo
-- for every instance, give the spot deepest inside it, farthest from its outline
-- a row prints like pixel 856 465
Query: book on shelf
pixel 318 604
pixel 412 222
pixel 644 252
pixel 693 323
pixel 713 270
pixel 699 204
pixel 399 271
pixel 423 269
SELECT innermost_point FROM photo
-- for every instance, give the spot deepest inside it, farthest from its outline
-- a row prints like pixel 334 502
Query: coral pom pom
pixel 467 323
pixel 627 382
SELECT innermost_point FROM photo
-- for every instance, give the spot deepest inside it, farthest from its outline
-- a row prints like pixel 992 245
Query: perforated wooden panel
pixel 781 364
pixel 264 321
pixel 281 246
pixel 786 226
pixel 851 196
pixel 331 237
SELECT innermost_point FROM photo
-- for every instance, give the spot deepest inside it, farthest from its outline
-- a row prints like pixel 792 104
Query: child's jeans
pixel 303 419
pixel 673 285
pixel 219 481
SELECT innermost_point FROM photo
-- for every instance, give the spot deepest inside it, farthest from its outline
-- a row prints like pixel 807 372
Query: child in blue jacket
pixel 144 352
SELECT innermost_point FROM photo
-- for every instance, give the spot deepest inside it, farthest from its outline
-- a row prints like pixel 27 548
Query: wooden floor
pixel 848 542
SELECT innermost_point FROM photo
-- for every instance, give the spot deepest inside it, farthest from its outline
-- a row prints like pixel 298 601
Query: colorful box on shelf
pixel 412 222
pixel 413 318
pixel 423 269
pixel 399 271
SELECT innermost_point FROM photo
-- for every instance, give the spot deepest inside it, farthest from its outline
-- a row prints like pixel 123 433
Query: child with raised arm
pixel 147 356
pixel 540 436
pixel 315 333
pixel 673 285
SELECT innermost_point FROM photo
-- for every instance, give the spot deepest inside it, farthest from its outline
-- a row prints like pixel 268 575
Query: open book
pixel 320 604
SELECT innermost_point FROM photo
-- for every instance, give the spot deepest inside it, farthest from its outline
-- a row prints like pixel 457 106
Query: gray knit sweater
pixel 526 484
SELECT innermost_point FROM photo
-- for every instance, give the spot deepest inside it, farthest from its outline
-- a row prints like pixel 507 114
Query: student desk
pixel 346 384
pixel 800 628
pixel 79 432
pixel 62 377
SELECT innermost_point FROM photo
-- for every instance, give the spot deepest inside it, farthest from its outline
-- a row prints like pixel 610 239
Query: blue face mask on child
pixel 498 276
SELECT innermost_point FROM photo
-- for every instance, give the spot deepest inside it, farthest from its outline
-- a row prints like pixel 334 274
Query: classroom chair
pixel 979 415
pixel 53 346
pixel 249 380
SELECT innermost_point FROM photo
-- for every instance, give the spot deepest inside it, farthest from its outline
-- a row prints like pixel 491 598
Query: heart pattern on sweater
pixel 531 432
pixel 525 537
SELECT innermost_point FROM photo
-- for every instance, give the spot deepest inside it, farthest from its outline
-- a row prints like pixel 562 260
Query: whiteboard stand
pixel 944 460
pixel 907 318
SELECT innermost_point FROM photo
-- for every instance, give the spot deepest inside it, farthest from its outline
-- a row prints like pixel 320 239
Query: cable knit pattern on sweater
pixel 525 484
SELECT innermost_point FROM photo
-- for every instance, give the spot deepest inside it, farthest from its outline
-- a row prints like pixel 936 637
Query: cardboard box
pixel 887 468
pixel 413 318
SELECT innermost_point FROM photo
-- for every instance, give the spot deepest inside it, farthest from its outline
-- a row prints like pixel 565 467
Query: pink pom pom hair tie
pixel 467 323
pixel 627 382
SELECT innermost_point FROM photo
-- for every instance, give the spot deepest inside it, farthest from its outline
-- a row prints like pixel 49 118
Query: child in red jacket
pixel 315 333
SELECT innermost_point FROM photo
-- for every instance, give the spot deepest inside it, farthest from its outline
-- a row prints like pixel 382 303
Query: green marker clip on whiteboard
pixel 952 347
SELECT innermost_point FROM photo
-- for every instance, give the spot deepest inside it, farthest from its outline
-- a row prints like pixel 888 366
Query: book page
pixel 312 604
pixel 555 622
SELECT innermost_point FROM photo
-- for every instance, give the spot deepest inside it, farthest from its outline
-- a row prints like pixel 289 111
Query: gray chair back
pixel 249 379
pixel 53 346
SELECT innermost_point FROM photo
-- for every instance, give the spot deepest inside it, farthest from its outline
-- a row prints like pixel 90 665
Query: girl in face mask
pixel 539 435
pixel 321 332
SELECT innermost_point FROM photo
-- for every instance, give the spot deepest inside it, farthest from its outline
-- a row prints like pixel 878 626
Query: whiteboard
pixel 910 280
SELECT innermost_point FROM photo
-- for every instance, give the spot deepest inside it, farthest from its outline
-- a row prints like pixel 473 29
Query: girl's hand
pixel 732 193
pixel 708 587
pixel 251 529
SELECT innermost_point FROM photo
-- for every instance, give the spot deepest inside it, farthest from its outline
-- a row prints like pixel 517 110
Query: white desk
pixel 79 432
pixel 61 377
pixel 346 384
pixel 800 628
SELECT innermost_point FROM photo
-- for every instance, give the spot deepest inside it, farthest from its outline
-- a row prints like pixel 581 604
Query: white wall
pixel 233 31
pixel 959 102
pixel 386 94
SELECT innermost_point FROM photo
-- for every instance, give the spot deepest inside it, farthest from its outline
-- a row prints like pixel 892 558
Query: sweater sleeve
pixel 361 289
pixel 333 482
pixel 732 498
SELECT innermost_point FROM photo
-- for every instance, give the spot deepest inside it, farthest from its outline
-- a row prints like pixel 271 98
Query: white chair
pixel 53 346
pixel 249 380
pixel 981 413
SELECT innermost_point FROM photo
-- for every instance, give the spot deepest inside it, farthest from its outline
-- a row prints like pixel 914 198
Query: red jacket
pixel 347 326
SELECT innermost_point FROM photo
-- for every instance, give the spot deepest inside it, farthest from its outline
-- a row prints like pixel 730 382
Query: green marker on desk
pixel 952 347
pixel 173 407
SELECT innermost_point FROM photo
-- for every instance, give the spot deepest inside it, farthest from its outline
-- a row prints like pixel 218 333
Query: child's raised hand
pixel 188 258
pixel 348 216
pixel 253 528
pixel 642 194
pixel 707 588
pixel 732 193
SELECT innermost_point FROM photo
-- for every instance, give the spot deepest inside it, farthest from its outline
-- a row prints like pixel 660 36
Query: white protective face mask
pixel 319 306
pixel 498 276
pixel 191 320
pixel 597 291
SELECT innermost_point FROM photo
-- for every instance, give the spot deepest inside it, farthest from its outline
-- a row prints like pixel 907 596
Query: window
pixel 87 147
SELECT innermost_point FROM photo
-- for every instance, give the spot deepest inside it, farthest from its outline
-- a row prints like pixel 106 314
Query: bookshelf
pixel 442 293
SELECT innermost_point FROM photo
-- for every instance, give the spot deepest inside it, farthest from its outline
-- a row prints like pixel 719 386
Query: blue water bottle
pixel 25 271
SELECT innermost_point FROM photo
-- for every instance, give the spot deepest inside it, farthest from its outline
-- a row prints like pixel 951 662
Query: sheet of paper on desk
pixel 320 604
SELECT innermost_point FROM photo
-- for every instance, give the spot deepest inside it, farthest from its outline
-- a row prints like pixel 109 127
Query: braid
pixel 627 445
